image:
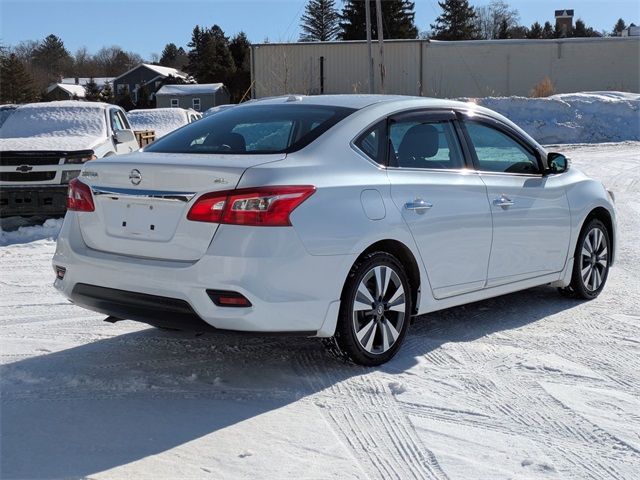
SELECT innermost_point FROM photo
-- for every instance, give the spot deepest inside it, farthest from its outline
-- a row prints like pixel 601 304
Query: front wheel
pixel 590 262
pixel 374 310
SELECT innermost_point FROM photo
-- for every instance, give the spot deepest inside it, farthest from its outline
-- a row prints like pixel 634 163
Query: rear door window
pixel 423 143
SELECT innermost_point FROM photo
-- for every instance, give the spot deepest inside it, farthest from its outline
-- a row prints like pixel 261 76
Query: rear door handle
pixel 418 205
pixel 504 202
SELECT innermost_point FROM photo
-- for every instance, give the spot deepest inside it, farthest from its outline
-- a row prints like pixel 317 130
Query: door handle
pixel 504 202
pixel 418 205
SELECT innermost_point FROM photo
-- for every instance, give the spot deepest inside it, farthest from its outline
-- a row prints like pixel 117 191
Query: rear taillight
pixel 79 198
pixel 263 206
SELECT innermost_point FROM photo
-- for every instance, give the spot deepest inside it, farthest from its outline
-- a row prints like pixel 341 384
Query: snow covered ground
pixel 528 386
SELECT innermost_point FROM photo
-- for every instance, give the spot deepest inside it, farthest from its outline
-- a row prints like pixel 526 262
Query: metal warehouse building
pixel 448 69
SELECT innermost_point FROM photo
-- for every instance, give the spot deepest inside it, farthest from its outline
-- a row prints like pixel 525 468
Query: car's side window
pixel 116 123
pixel 372 142
pixel 498 152
pixel 123 120
pixel 424 144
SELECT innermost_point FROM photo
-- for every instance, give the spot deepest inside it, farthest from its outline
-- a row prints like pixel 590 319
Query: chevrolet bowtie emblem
pixel 135 176
pixel 24 168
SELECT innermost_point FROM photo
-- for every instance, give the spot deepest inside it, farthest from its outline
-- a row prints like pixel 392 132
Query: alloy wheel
pixel 594 259
pixel 379 309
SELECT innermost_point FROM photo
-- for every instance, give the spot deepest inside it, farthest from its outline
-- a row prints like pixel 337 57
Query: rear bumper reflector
pixel 223 298
pixel 60 271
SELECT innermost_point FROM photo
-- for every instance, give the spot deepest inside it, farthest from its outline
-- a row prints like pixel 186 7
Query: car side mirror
pixel 557 163
pixel 124 136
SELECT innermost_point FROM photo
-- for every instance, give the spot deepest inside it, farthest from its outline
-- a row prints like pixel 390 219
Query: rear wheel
pixel 590 262
pixel 374 310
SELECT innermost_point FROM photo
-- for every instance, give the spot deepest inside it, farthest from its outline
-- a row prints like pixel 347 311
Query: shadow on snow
pixel 111 402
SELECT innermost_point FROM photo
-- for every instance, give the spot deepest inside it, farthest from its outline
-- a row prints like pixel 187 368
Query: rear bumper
pixel 290 290
pixel 33 200
pixel 151 309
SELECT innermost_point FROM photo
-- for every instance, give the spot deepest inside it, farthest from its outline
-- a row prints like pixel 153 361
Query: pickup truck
pixel 43 147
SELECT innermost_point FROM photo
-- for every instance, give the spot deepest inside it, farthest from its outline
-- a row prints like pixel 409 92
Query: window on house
pixel 196 104
pixel 175 103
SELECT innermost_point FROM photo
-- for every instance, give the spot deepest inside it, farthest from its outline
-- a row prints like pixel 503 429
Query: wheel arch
pixel 408 260
pixel 602 214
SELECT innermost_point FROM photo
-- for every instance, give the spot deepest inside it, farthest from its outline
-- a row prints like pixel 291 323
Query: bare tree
pixel 492 18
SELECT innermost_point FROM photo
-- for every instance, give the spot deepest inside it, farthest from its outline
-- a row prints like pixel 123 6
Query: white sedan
pixel 338 217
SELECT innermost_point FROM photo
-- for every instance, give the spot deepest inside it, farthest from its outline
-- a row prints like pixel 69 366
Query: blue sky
pixel 145 26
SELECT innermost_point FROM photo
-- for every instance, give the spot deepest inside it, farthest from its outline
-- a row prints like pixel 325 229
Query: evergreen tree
pixel 457 21
pixel 240 49
pixel 618 28
pixel 535 32
pixel 16 85
pixel 548 31
pixel 503 30
pixel 320 21
pixel 106 95
pixel 125 101
pixel 169 55
pixel 240 81
pixel 581 30
pixel 518 32
pixel 92 91
pixel 397 18
pixel 210 59
pixel 144 97
pixel 52 57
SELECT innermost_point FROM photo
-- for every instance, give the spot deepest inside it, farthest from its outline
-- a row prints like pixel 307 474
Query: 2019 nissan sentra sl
pixel 331 216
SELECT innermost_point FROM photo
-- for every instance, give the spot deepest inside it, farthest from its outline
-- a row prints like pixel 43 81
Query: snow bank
pixel 48 230
pixel 589 117
pixel 161 120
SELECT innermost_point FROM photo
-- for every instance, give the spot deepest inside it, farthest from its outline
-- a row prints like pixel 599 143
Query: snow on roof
pixel 61 120
pixel 191 89
pixel 161 120
pixel 100 81
pixel 77 90
pixel 164 71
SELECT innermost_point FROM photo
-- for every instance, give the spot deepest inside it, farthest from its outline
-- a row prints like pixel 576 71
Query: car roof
pixel 356 101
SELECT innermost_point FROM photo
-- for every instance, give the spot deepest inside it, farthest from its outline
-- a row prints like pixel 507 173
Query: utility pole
pixel 380 43
pixel 367 9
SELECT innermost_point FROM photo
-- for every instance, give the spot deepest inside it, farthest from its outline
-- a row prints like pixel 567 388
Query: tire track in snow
pixel 365 415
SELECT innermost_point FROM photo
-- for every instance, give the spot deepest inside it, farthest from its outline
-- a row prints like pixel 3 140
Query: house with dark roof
pixel 65 91
pixel 150 76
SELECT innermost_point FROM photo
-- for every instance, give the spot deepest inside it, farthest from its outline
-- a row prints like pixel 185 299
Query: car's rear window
pixel 253 129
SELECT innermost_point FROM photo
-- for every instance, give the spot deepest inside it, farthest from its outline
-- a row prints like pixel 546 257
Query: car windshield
pixel 54 121
pixel 253 129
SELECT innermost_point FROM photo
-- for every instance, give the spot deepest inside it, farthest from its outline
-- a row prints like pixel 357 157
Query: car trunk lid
pixel 142 200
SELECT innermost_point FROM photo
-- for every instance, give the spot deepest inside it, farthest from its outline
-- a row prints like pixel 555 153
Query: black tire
pixel 384 321
pixel 593 260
